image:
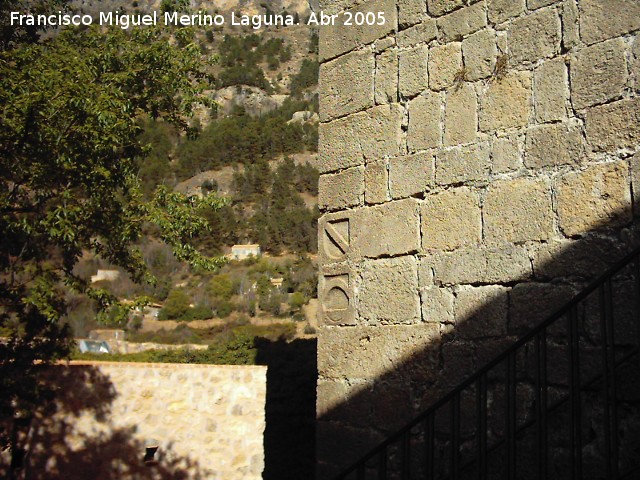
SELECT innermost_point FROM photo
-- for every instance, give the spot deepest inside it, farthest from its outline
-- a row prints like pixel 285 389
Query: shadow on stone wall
pixel 289 438
pixel 56 449
pixel 354 419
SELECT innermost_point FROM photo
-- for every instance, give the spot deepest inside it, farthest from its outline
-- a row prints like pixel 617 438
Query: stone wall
pixel 206 420
pixel 480 163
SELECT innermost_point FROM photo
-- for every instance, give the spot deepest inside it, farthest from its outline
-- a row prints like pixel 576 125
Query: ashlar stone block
pixel 346 84
pixel 413 71
pixel 614 126
pixel 461 23
pixel 376 183
pixel 598 73
pixel 367 353
pixel 422 33
pixel 554 144
pixel 517 211
pixel 378 133
pixel 604 19
pixel 334 237
pixel 480 52
pixel 506 103
pixel 386 77
pixel 389 292
pixel 341 190
pixel 444 64
pixel 531 303
pixel 463 164
pixel 535 4
pixel 389 229
pixel 551 86
pixel 461 115
pixel 486 265
pixel 635 182
pixel 338 39
pixel 451 219
pixel 411 12
pixel 336 299
pixel 411 175
pixel 502 10
pixel 534 36
pixel 424 129
pixel 599 197
pixel 440 7
pixel 570 25
pixel 505 154
pixel 481 311
pixel 437 305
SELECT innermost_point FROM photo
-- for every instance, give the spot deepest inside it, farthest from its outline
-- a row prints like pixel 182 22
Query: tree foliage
pixel 69 137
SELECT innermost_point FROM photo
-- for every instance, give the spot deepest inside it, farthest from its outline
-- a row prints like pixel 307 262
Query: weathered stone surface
pixel 444 64
pixel 389 229
pixel 440 7
pixel 461 23
pixel 635 62
pixel 422 33
pixel 481 311
pixel 410 175
pixel 376 183
pixel 386 77
pixel 595 198
pixel 604 19
pixel 424 122
pixel 586 258
pixel 598 73
pixel 388 293
pixel 339 38
pixel 461 115
pixel 505 154
pixel 333 402
pixel 534 37
pixel 517 211
pixel 501 264
pixel 614 126
pixel 554 144
pixel 635 182
pixel 534 4
pixel 531 303
pixel 378 132
pixel 413 71
pixel 463 164
pixel 506 103
pixel 341 190
pixel 451 219
pixel 506 263
pixel 346 84
pixel 551 84
pixel 364 352
pixel 502 10
pixel 437 305
pixel 425 271
pixel 570 26
pixel 411 12
pixel 480 52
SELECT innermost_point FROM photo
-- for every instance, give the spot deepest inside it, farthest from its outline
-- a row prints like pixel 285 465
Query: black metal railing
pixel 562 402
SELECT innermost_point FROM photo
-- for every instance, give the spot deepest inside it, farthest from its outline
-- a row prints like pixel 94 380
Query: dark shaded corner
pixel 289 438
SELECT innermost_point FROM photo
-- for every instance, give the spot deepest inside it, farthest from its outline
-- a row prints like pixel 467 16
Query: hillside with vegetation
pixel 255 147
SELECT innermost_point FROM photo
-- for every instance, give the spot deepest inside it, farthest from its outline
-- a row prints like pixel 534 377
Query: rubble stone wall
pixel 207 421
pixel 480 161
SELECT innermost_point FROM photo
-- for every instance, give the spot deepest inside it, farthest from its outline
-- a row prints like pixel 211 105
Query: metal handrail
pixel 479 378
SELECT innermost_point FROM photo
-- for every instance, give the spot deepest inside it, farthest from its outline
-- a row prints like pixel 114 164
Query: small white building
pixel 105 276
pixel 242 252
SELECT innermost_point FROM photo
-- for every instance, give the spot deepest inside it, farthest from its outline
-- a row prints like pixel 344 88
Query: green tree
pixel 69 137
pixel 176 305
